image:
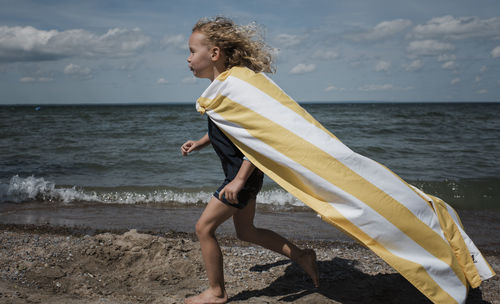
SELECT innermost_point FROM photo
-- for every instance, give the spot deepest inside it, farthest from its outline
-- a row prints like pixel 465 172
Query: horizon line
pixel 192 103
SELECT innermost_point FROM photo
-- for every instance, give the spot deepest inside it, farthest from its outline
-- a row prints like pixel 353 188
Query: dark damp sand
pixel 62 254
pixel 157 218
pixel 483 226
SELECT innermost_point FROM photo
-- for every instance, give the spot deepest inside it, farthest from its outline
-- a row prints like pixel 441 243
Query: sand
pixel 45 264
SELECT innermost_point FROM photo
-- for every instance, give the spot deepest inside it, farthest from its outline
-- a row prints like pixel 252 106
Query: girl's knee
pixel 201 229
pixel 204 230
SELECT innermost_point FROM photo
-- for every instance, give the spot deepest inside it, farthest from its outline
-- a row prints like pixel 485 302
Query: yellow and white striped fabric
pixel 417 234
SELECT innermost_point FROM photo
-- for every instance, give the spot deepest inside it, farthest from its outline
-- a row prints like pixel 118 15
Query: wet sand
pixel 483 226
pixel 159 219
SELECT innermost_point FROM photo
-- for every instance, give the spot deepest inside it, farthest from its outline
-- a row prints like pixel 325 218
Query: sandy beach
pixel 47 264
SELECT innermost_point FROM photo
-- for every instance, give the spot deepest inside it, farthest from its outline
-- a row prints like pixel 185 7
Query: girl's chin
pixel 197 75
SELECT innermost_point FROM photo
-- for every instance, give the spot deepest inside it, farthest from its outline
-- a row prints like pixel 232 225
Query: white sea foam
pixel 32 188
pixel 278 197
pixel 159 196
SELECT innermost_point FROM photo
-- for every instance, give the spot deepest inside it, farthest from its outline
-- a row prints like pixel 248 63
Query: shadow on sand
pixel 340 282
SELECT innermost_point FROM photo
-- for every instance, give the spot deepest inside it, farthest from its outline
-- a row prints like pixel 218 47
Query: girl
pixel 217 45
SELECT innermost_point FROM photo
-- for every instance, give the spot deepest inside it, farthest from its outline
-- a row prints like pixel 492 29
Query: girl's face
pixel 200 59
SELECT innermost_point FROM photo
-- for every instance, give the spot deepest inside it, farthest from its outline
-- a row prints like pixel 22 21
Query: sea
pixel 69 156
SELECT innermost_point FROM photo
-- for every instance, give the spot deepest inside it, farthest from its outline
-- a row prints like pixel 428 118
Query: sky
pixel 68 52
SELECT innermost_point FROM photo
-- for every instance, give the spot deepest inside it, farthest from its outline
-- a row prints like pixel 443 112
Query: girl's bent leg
pixel 214 214
pixel 246 231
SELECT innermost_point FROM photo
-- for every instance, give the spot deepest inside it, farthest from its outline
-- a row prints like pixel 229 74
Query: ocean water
pixel 130 154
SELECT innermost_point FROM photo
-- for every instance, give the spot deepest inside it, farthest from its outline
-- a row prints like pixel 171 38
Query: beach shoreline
pixel 57 264
pixel 482 226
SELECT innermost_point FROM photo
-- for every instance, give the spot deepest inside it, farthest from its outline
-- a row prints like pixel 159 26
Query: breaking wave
pixel 30 189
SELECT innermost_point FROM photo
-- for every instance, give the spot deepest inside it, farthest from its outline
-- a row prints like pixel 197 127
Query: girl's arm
pixel 193 145
pixel 231 190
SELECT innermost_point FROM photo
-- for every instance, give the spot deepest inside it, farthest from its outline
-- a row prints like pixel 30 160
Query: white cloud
pixel 176 41
pixel 454 81
pixel 382 66
pixel 477 79
pixel 39 79
pixel 483 69
pixel 449 27
pixel 376 87
pixel 429 47
pixel 27 79
pixel 76 70
pixel 483 91
pixel 495 53
pixel 30 44
pixel 333 88
pixel 287 40
pixel 189 80
pixel 302 68
pixel 162 81
pixel 325 55
pixel 449 65
pixel 415 65
pixel 382 30
pixel 446 57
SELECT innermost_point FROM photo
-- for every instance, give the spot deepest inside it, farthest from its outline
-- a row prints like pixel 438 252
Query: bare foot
pixel 308 262
pixel 206 297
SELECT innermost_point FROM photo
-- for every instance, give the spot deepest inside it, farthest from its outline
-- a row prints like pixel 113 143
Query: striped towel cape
pixel 419 235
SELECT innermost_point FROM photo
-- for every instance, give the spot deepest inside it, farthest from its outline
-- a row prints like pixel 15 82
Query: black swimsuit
pixel 231 160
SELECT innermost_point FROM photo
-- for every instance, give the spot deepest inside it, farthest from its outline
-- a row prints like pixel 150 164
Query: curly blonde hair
pixel 241 45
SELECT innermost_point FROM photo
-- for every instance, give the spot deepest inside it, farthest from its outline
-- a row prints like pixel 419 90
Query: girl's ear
pixel 215 53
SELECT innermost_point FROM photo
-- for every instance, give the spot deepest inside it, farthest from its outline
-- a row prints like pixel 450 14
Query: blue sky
pixel 135 51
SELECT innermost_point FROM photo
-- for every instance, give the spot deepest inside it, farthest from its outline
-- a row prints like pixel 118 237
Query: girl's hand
pixel 189 146
pixel 192 145
pixel 231 190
